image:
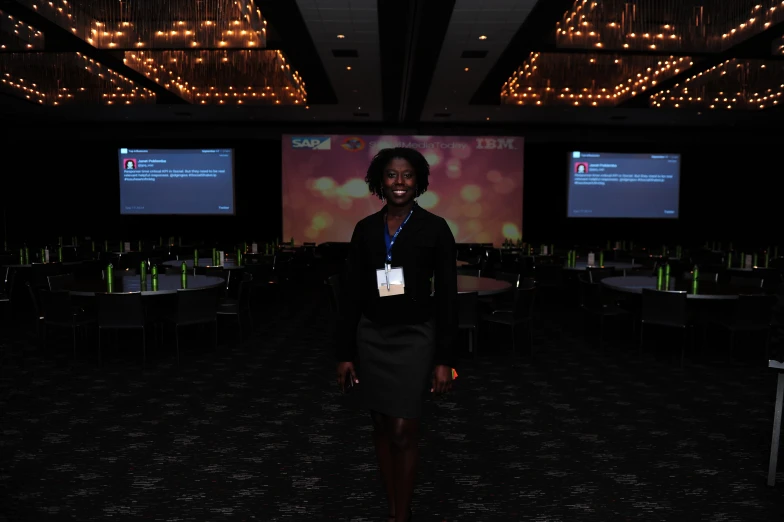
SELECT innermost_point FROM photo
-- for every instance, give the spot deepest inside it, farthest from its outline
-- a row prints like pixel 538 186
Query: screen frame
pixel 569 159
pixel 233 212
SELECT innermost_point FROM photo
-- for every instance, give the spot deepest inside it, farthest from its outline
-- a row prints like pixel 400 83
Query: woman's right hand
pixel 343 371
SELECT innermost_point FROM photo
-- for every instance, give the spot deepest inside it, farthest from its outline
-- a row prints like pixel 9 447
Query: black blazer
pixel 425 249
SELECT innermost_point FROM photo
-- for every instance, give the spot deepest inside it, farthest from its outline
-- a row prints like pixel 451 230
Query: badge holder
pixel 390 281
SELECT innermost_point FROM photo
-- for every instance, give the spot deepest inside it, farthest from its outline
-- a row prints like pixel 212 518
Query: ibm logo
pixel 496 144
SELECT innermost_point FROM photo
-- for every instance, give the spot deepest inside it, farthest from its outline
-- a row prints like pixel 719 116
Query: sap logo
pixel 312 143
pixel 495 144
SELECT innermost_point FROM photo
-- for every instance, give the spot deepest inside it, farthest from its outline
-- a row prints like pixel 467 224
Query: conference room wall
pixel 727 188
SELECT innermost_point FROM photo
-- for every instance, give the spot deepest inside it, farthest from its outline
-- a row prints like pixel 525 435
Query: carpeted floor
pixel 259 433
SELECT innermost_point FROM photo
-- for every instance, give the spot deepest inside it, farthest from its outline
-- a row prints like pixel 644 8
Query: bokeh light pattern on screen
pixel 476 184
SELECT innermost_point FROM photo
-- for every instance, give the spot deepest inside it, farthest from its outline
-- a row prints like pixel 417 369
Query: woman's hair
pixel 375 172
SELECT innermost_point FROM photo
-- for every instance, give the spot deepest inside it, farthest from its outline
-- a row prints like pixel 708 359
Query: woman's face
pixel 399 182
pixel 129 165
pixel 580 168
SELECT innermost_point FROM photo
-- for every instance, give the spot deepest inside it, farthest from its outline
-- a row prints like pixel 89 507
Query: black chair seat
pixel 606 310
pixel 228 309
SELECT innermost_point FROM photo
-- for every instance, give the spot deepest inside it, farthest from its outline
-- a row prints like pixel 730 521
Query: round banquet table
pixel 481 285
pixel 705 289
pixel 167 284
pixel 203 261
pixel 618 265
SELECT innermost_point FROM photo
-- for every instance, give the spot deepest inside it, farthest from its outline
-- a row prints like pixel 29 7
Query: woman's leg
pixel 405 448
pixel 381 439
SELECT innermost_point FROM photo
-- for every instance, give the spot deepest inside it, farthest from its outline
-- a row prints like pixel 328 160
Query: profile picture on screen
pixel 581 168
pixel 129 164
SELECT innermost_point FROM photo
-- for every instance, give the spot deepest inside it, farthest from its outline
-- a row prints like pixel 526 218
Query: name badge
pixel 390 281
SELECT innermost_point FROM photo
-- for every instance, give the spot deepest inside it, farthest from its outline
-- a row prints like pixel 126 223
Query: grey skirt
pixel 395 366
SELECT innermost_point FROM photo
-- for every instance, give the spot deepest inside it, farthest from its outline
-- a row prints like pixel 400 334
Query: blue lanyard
pixel 390 241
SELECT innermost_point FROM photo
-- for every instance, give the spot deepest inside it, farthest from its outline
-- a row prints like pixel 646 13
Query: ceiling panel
pixel 357 89
pixel 452 85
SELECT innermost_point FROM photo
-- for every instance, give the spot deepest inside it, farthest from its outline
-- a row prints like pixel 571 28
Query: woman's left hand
pixel 442 379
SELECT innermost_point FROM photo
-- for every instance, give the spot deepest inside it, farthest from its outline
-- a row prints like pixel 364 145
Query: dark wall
pixel 65 182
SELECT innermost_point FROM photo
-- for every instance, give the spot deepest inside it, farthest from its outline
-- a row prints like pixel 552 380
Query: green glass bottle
pixel 239 257
pixel 195 257
pixel 154 278
pixel 245 247
pixel 110 278
pixel 695 274
pixel 667 276
pixel 214 257
pixel 92 245
pixel 184 275
pixel 122 247
pixel 659 277
pixel 754 261
pixel 140 246
pixel 105 246
pixel 27 255
pixel 729 259
pixel 59 254
pixel 143 271
pixel 43 255
pixel 21 256
pixel 695 287
pixel 601 258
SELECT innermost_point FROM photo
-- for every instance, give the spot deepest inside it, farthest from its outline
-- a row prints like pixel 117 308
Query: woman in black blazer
pixel 393 325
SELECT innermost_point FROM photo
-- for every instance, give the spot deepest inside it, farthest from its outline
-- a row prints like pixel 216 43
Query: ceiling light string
pixel 730 85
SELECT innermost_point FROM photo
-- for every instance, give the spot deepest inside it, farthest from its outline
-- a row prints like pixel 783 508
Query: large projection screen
pixel 476 184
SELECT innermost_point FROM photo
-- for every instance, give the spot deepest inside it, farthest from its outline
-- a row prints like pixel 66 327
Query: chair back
pixel 525 297
pixel 198 305
pixel 756 310
pixel 660 307
pixel 61 283
pixel 244 291
pixel 468 310
pixel 590 295
pixel 549 275
pixel 233 279
pixel 120 310
pixel 333 283
pixel 40 273
pixel 56 306
pixel 746 282
pixel 513 279
pixel 596 273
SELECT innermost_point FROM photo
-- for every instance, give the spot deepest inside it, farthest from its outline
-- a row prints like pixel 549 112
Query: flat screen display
pixel 619 185
pixel 476 184
pixel 176 181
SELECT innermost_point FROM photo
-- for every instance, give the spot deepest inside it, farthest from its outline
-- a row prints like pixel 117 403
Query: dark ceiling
pixel 389 61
